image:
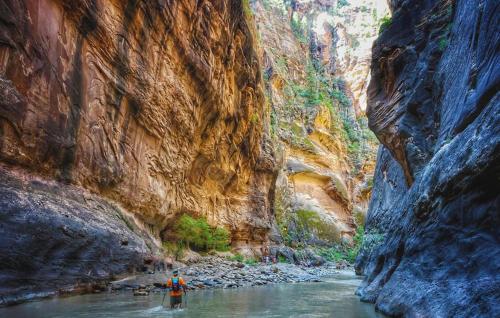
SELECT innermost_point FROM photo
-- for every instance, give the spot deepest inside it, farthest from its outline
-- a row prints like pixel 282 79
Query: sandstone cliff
pixel 433 225
pixel 120 115
pixel 316 60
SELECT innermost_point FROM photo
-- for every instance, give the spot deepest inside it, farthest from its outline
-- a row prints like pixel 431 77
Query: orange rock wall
pixel 155 105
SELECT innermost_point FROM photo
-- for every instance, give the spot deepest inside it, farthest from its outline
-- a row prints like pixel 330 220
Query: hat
pixel 175 272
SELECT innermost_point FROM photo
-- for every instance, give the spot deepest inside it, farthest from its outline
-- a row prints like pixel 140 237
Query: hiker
pixel 266 255
pixel 176 285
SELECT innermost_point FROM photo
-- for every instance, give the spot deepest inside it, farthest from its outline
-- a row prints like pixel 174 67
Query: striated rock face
pixel 57 239
pixel 344 34
pixel 156 106
pixel 315 56
pixel 433 226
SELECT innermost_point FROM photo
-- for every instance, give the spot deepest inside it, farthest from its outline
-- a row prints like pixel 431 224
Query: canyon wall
pixel 432 244
pixel 115 118
pixel 315 57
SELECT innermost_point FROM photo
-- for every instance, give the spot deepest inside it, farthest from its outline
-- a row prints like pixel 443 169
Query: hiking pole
pixel 164 294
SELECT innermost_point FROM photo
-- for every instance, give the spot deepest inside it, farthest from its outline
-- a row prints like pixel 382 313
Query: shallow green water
pixel 332 298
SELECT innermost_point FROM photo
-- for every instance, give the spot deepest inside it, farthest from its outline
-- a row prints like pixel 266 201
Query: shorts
pixel 175 300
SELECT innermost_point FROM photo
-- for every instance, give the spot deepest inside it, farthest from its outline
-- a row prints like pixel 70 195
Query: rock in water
pixel 432 244
pixel 141 292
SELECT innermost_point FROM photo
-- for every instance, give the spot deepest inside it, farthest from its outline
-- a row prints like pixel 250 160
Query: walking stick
pixel 164 294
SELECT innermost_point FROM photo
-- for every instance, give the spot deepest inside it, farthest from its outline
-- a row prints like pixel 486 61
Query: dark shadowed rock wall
pixel 433 227
pixel 59 239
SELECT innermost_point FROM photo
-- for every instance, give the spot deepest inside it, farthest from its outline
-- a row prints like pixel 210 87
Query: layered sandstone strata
pixel 305 45
pixel 153 106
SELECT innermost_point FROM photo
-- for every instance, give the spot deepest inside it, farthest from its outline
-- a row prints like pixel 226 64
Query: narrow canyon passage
pixel 288 157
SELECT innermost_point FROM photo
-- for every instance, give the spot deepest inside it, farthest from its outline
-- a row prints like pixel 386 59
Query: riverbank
pixel 219 272
pixel 334 297
pixel 208 272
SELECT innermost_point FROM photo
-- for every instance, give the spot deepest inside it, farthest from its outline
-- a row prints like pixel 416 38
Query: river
pixel 332 298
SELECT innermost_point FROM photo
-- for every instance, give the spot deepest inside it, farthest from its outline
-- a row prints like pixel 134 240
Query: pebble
pixel 141 292
pixel 217 272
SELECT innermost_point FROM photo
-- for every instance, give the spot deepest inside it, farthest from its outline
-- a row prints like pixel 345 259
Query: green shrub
pixel 237 257
pixel 309 222
pixel 273 122
pixel 359 216
pixel 349 129
pixel 341 97
pixel 186 229
pixel 246 8
pixel 298 29
pixel 307 219
pixel 199 234
pixel 248 261
pixel 251 261
pixel 315 90
pixel 282 259
pixel 358 241
pixel 369 182
pixel 282 65
pixel 342 3
pixel 442 44
pixel 254 118
pixel 343 252
pixel 176 249
pixel 369 135
pixel 354 148
pixel 297 137
pixel 283 218
pixel 372 239
pixel 220 239
pixel 332 254
pixel 385 22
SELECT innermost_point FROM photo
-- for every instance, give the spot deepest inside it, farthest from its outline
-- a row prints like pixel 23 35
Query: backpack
pixel 175 284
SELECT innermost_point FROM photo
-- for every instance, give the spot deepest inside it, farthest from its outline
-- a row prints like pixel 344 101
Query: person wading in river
pixel 176 285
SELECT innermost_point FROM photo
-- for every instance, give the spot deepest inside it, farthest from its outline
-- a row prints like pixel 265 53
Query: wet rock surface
pixel 432 234
pixel 57 239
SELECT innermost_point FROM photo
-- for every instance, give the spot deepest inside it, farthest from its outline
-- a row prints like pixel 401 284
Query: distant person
pixel 266 255
pixel 176 285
